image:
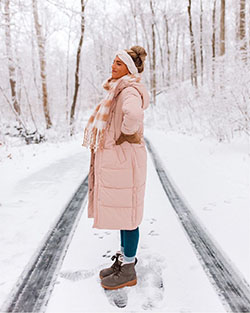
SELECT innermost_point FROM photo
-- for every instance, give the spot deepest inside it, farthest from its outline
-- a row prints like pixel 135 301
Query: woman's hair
pixel 138 54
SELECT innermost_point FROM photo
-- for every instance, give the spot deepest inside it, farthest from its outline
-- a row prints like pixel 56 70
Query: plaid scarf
pixel 95 129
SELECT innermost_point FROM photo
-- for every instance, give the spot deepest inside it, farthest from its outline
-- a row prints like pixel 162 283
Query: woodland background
pixel 55 54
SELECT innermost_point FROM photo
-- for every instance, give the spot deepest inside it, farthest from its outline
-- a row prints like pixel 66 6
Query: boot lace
pixel 118 260
pixel 119 265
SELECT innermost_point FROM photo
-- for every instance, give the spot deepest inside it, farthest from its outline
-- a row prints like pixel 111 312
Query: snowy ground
pixel 35 186
pixel 213 178
pixel 165 259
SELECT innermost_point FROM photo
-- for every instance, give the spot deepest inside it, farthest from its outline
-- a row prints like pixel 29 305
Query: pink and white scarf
pixel 95 128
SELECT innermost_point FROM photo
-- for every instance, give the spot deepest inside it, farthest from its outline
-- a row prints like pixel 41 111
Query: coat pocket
pixel 120 154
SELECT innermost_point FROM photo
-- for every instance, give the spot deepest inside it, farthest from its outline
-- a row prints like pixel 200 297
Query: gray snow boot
pixel 124 277
pixel 114 267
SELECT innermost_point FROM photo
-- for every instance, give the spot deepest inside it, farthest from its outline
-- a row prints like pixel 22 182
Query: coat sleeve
pixel 132 110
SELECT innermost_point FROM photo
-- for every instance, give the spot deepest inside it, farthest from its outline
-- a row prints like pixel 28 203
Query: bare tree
pixel 242 29
pixel 153 51
pixel 67 72
pixel 222 28
pixel 177 51
pixel 183 57
pixel 11 64
pixel 193 53
pixel 78 60
pixel 168 49
pixel 147 42
pixel 133 8
pixel 213 40
pixel 42 60
pixel 201 41
pixel 161 51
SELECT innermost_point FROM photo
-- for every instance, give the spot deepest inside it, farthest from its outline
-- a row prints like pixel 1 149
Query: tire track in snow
pixel 35 285
pixel 231 287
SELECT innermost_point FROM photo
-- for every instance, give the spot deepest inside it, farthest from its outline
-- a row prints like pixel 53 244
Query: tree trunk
pixel 183 57
pixel 78 60
pixel 145 32
pixel 153 52
pixel 168 50
pixel 67 73
pixel 177 52
pixel 193 53
pixel 242 29
pixel 201 41
pixel 133 7
pixel 11 65
pixel 41 51
pixel 222 28
pixel 213 40
pixel 161 56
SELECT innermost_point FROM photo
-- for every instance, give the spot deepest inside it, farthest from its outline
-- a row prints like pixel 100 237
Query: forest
pixel 55 55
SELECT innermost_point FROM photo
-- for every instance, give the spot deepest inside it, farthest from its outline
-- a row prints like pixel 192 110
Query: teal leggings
pixel 129 241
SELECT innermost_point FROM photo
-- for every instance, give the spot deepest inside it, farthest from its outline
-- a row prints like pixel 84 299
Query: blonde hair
pixel 138 54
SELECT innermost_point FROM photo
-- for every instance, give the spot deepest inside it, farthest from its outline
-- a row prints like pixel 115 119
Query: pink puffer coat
pixel 117 173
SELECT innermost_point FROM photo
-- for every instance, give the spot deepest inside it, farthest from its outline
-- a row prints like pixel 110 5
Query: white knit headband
pixel 126 58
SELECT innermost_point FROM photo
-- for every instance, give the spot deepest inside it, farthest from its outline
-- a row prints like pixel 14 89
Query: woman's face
pixel 119 68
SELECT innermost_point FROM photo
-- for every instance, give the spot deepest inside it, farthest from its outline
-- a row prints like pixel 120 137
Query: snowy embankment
pixel 214 179
pixel 36 184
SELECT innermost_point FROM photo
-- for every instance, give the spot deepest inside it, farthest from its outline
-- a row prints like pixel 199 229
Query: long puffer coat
pixel 117 174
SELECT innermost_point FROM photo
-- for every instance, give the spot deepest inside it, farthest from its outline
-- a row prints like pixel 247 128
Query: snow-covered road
pixel 31 205
pixel 37 183
pixel 170 277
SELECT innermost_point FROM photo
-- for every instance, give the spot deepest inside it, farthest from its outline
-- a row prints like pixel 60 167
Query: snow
pixel 38 181
pixel 35 186
pixel 164 254
pixel 214 179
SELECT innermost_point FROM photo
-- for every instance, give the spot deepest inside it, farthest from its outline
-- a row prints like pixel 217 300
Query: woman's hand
pixel 134 138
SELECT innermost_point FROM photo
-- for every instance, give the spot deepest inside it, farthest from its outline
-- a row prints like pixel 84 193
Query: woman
pixel 118 163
